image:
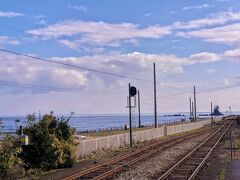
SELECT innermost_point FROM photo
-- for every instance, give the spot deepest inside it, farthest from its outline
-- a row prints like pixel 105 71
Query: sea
pixel 99 122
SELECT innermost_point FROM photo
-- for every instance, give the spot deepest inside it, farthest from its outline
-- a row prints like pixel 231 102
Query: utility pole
pixel 190 115
pixel 155 96
pixel 193 118
pixel 39 115
pixel 212 113
pixel 139 110
pixel 195 106
pixel 130 114
pixel 231 144
pixel 230 111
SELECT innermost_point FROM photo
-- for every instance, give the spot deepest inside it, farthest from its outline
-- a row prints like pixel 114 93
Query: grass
pixel 114 132
pixel 222 173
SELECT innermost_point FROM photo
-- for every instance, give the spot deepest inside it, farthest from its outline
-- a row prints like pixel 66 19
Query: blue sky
pixel 192 43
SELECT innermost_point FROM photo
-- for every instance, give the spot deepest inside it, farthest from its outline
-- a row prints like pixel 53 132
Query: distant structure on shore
pixel 216 111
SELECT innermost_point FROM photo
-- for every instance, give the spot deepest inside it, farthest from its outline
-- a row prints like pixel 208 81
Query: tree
pixel 11 166
pixel 52 143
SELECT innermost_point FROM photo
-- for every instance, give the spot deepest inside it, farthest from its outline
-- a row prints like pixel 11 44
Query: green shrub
pixel 52 144
pixel 11 166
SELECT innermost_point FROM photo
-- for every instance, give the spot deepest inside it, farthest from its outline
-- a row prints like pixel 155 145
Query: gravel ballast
pixel 160 162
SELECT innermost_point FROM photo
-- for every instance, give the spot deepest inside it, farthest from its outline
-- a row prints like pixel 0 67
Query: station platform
pixel 234 170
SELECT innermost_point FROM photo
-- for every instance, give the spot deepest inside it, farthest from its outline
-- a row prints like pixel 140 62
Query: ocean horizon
pixel 91 122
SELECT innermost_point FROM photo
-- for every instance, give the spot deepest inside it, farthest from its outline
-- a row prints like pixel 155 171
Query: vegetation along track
pixel 113 167
pixel 190 165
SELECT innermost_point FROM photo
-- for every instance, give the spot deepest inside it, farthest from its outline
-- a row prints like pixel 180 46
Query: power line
pixel 176 88
pixel 171 95
pixel 73 66
pixel 84 68
pixel 41 87
pixel 93 70
pixel 200 92
pixel 219 89
pixel 108 73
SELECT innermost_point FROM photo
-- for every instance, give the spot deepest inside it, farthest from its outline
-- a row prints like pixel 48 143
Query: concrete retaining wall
pixel 88 146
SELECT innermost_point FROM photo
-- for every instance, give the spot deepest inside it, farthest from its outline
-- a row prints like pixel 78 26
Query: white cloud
pixel 222 28
pixel 79 8
pixel 148 14
pixel 211 71
pixel 204 57
pixel 226 82
pixel 232 54
pixel 166 63
pixel 99 33
pixel 228 34
pixel 68 43
pixel 41 22
pixel 78 34
pixel 7 40
pixel 23 70
pixel 135 64
pixel 10 14
pixel 202 6
pixel 40 19
pixel 213 19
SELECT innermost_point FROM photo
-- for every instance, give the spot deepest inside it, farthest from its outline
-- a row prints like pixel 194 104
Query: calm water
pixel 96 122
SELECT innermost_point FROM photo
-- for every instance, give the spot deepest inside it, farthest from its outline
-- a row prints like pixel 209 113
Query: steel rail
pixel 167 173
pixel 138 159
pixel 143 153
pixel 194 174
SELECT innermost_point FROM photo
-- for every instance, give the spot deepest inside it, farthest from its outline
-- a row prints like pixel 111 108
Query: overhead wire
pixel 35 86
pixel 42 87
pixel 98 71
pixel 218 89
pixel 104 72
pixel 73 66
pixel 83 68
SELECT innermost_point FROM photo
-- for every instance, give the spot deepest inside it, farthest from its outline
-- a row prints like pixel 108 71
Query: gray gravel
pixel 148 168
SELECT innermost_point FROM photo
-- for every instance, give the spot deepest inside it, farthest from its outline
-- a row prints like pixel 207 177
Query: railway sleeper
pixel 179 176
pixel 175 177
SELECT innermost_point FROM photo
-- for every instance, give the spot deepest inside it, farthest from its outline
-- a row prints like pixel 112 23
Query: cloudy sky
pixel 98 47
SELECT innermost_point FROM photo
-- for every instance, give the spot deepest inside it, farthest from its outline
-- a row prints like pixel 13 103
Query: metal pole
pixel 231 144
pixel 155 96
pixel 190 115
pixel 130 114
pixel 21 130
pixel 193 111
pixel 212 113
pixel 195 107
pixel 139 110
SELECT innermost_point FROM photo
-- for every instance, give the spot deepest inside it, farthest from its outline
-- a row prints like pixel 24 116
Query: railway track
pixel 113 167
pixel 190 165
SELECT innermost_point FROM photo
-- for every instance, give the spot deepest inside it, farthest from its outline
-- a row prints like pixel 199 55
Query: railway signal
pixel 132 91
